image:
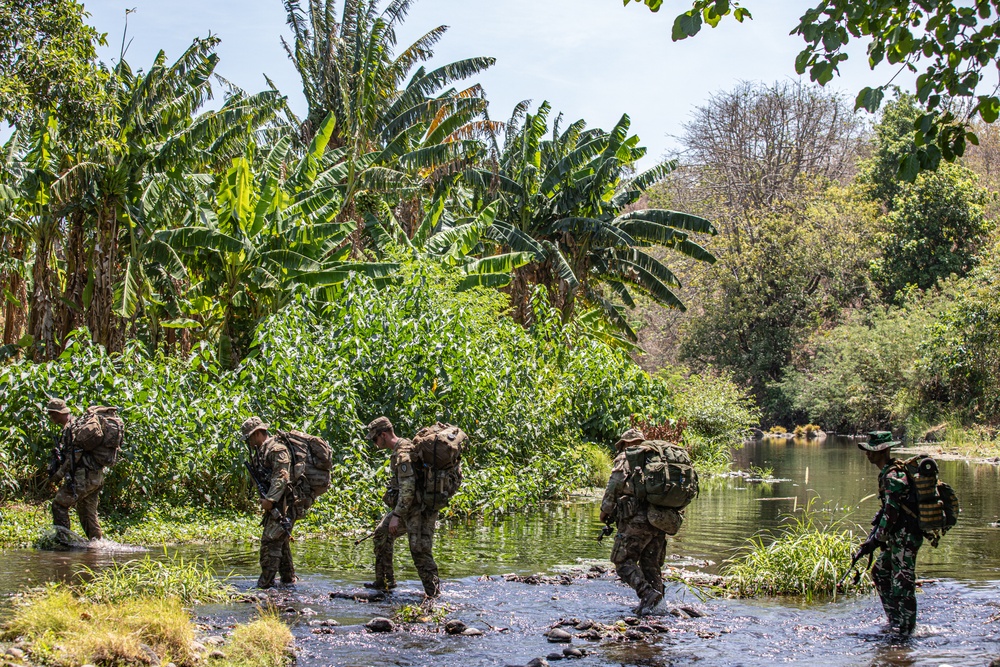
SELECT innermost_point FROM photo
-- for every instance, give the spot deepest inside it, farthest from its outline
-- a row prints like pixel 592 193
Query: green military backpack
pixel 933 503
pixel 439 450
pixel 662 474
pixel 100 432
pixel 312 460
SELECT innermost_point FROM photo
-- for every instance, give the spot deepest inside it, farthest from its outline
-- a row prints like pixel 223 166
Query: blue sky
pixel 592 59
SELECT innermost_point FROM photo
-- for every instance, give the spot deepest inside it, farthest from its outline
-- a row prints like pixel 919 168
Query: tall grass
pixel 261 643
pixel 190 581
pixel 806 558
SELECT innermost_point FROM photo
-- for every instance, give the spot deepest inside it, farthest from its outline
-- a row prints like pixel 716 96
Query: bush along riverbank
pixel 137 614
pixel 529 398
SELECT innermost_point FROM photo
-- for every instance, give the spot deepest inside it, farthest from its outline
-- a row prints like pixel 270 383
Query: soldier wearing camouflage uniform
pixel 897 532
pixel 82 476
pixel 406 514
pixel 640 546
pixel 272 458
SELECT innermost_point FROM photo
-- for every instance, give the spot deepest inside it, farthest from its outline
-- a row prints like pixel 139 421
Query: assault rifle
pixel 262 489
pixel 867 548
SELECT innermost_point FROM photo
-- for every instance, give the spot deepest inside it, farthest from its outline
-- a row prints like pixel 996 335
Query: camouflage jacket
pixel 894 492
pixel 276 463
pixel 618 501
pixel 403 484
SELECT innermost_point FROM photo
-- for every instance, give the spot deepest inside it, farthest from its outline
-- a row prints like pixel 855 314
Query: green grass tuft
pixel 805 559
pixel 191 582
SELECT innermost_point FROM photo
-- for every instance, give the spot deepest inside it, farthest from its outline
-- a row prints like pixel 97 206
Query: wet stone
pixel 537 662
pixel 679 613
pixel 633 634
pixel 380 624
pixel 592 635
pixel 472 632
pixel 290 610
pixel 693 613
pixel 559 635
pixel 572 652
pixel 554 656
pixel 359 596
pixel 214 640
pixel 454 627
pixel 644 629
pixel 584 625
pixel 631 620
pixel 306 611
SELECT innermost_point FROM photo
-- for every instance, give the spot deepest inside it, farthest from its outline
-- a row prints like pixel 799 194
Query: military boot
pixel 432 587
pixel 266 579
pixel 649 602
pixel 381 585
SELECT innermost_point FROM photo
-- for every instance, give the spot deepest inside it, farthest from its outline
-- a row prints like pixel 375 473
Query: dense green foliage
pixel 416 353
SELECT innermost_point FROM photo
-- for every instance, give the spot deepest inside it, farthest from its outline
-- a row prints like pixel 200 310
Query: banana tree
pixel 399 125
pixel 569 200
pixel 267 234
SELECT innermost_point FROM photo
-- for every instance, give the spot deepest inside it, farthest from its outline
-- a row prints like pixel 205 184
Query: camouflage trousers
pixel 638 555
pixel 276 552
pixel 419 528
pixel 83 490
pixel 895 578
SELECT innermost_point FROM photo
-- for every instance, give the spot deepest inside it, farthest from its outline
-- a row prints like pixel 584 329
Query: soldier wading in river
pixel 640 546
pixel 897 532
pixel 407 513
pixel 86 446
pixel 273 462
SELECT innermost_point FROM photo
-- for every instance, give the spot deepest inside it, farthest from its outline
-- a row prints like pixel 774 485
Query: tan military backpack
pixel 99 432
pixel 439 450
pixel 312 459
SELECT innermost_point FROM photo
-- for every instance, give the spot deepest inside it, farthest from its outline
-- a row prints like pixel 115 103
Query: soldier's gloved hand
pixel 869 546
pixel 266 504
pixel 393 525
pixel 605 516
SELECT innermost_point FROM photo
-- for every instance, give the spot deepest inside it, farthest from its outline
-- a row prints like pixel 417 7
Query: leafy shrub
pixel 417 353
pixel 777 430
pixel 807 430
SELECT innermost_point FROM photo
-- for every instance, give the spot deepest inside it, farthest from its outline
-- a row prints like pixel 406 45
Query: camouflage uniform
pixel 640 548
pixel 275 542
pixel 82 480
pixel 405 500
pixel 899 534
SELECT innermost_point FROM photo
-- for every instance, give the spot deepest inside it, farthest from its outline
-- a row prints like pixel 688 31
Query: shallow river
pixel 955 610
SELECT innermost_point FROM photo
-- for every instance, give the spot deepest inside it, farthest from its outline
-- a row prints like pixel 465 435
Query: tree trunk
pixel 104 325
pixel 14 291
pixel 40 322
pixel 70 313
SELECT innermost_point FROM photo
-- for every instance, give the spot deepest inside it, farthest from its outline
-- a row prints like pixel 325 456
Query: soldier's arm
pixel 616 485
pixel 281 464
pixel 897 489
pixel 407 484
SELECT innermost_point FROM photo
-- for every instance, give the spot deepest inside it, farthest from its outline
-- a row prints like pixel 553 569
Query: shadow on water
pixel 954 611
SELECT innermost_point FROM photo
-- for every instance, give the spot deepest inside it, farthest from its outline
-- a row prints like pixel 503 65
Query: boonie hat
pixel 877 441
pixel 630 436
pixel 253 424
pixel 378 425
pixel 57 405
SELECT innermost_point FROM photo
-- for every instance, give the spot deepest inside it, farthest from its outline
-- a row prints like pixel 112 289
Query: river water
pixel 955 607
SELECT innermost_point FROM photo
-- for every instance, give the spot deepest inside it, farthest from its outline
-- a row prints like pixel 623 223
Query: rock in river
pixel 559 635
pixel 380 624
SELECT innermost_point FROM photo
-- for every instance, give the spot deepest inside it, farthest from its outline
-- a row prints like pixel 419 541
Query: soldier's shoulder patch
pixel 405 468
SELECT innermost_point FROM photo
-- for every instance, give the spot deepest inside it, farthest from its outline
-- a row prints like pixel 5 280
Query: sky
pixel 591 59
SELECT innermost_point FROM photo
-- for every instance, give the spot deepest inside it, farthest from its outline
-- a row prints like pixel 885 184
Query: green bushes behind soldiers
pixel 87 445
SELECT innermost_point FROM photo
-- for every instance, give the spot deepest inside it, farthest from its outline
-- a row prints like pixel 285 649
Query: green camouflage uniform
pixel 82 482
pixel 640 548
pixel 899 534
pixel 418 522
pixel 275 547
